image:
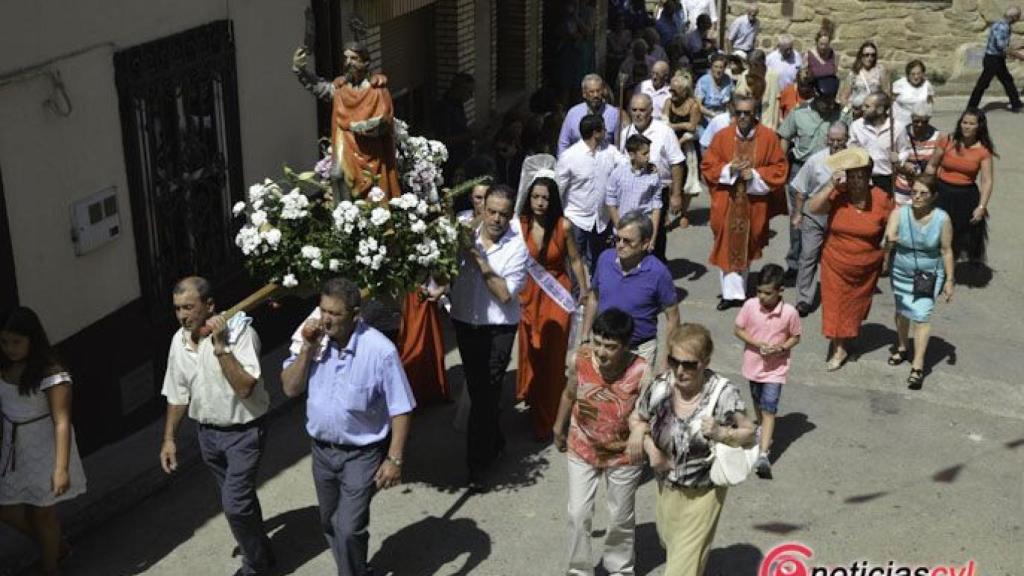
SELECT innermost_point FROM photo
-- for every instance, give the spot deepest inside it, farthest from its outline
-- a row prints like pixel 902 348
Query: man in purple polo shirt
pixel 357 414
pixel 633 280
pixel 594 94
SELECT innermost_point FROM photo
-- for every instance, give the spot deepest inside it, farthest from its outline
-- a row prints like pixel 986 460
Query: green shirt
pixel 806 131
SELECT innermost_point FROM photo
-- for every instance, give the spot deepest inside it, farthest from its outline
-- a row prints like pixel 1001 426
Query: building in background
pixel 128 130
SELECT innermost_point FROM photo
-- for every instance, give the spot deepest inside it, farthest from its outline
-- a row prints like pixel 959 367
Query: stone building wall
pixel 948 35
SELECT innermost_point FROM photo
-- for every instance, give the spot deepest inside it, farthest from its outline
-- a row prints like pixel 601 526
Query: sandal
pixel 898 357
pixel 916 379
pixel 836 363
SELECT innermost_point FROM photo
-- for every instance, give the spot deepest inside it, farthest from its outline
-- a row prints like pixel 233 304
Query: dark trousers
pixel 591 243
pixel 233 456
pixel 486 351
pixel 994 66
pixel 661 242
pixel 343 476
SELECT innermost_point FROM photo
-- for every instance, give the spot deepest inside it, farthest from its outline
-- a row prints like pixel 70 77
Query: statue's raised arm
pixel 362 124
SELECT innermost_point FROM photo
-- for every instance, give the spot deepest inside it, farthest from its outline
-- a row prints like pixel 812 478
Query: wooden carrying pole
pixel 251 302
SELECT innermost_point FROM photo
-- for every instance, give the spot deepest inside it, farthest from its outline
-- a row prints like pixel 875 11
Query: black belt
pixel 326 444
pixel 11 465
pixel 234 427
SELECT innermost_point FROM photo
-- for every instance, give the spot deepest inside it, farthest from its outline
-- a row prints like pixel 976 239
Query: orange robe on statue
pixel 365 157
pixel 739 220
pixel 366 160
pixel 543 336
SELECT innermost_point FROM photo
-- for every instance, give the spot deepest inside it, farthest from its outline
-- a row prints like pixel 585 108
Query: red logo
pixel 786 560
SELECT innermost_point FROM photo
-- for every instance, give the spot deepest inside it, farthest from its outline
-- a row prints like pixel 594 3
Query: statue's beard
pixel 352 76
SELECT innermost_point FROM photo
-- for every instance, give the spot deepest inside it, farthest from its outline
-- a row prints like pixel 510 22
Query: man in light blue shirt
pixel 594 92
pixel 997 48
pixel 357 414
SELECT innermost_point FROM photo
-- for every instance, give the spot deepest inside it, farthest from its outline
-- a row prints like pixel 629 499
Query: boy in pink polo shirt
pixel 770 328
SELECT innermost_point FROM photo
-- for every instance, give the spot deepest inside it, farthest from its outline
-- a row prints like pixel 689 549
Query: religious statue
pixel 362 124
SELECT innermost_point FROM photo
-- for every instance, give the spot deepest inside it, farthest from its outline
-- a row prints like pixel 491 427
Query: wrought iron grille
pixel 179 115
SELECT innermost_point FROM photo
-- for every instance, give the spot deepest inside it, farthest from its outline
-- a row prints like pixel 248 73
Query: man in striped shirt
pixel 994 63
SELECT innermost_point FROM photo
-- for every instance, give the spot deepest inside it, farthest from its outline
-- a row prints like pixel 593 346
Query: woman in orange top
pixel 852 258
pixel 544 324
pixel 963 162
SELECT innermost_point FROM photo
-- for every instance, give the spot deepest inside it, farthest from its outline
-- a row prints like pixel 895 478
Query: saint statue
pixel 362 124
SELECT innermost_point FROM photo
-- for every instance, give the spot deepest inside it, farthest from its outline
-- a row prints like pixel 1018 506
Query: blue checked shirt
pixel 998 39
pixel 630 190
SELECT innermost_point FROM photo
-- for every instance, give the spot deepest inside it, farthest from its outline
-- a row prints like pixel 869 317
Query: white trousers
pixel 621 483
pixel 734 285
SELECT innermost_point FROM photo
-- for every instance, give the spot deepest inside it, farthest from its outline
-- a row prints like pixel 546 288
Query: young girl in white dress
pixel 39 462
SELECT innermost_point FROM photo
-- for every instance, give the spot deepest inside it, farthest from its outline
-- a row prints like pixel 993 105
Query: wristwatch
pixel 223 352
pixel 396 461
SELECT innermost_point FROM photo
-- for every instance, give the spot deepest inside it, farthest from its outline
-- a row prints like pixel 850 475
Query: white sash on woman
pixel 550 286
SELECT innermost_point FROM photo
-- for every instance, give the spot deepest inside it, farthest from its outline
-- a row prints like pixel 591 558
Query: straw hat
pixel 849 159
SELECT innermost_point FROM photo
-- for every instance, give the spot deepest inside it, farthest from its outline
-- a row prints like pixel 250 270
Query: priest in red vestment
pixel 745 169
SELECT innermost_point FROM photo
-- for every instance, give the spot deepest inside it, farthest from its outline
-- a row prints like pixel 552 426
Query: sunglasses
pixel 688 365
pixel 871 54
pixel 744 112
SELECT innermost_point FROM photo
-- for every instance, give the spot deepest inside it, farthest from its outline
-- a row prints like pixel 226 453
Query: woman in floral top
pixel 679 449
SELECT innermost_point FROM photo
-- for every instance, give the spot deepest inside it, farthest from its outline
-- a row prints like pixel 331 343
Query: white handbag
pixel 730 465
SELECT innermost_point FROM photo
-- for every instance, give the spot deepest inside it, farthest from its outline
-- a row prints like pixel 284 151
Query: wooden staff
pixel 251 302
pixel 892 138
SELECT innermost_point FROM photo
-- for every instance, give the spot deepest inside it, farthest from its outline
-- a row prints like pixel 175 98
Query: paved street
pixel 866 469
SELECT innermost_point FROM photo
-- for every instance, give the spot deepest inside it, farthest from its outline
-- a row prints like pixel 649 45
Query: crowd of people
pixel 565 247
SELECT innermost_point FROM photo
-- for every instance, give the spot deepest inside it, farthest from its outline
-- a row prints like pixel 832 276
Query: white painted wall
pixel 48 161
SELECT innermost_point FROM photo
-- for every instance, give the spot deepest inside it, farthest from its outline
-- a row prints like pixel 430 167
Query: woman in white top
pixel 39 463
pixel 912 89
pixel 867 75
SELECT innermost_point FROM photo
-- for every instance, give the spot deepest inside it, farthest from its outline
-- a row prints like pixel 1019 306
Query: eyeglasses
pixel 871 54
pixel 688 365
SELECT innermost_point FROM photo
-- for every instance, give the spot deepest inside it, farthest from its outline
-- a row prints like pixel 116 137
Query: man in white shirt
pixel 485 312
pixel 582 173
pixel 657 88
pixel 742 35
pixel 785 61
pixel 872 132
pixel 213 374
pixel 666 156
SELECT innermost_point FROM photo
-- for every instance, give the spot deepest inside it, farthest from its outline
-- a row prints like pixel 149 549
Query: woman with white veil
pixel 547 303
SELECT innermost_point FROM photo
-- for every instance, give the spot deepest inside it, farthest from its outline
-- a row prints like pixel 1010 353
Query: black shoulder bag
pixel 924 281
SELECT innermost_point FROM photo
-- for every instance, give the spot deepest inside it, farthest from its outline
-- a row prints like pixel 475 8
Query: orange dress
pixel 543 335
pixel 851 261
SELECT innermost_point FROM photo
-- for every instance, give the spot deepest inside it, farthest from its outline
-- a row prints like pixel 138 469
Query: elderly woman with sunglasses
pixel 671 412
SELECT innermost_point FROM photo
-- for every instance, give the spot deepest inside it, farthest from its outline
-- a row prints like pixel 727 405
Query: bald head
pixel 1013 13
pixel 659 73
pixel 752 11
pixel 641 108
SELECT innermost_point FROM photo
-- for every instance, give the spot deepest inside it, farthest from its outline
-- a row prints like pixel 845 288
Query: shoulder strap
pixel 716 391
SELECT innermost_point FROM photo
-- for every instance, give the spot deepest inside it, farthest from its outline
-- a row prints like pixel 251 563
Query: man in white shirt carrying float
pixel 217 380
pixel 485 312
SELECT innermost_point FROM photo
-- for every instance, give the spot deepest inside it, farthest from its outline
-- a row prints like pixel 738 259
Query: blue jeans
pixel 766 395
